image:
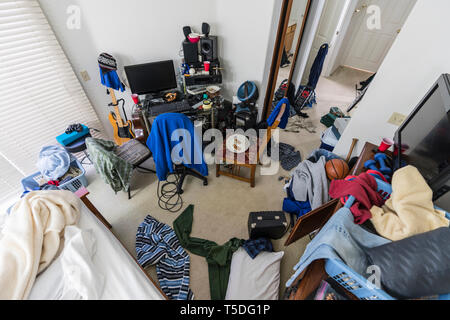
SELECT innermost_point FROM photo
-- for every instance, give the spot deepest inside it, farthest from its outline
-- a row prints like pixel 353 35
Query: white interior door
pixel 367 48
pixel 329 21
pixel 297 15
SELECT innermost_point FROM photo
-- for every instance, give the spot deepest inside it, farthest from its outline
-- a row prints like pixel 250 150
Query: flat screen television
pixel 424 138
pixel 151 77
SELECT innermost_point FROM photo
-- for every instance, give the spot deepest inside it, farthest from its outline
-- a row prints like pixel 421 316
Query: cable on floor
pixel 168 197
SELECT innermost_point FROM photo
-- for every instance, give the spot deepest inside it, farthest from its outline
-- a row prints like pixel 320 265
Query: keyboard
pixel 171 107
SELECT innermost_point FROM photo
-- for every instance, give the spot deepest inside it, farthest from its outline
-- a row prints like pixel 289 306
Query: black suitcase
pixel 272 225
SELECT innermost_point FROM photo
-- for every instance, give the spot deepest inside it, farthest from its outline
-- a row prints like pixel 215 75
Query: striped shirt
pixel 157 243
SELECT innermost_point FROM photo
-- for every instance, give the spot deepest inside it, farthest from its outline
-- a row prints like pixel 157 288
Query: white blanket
pixel 31 238
pixel 80 279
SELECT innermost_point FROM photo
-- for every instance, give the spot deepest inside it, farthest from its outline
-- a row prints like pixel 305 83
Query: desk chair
pixel 113 161
pixel 136 153
pixel 250 160
pixel 161 145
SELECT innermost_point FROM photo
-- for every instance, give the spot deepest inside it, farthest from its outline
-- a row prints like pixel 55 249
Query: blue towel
pixel 161 145
pixel 284 120
pixel 111 80
pixel 157 243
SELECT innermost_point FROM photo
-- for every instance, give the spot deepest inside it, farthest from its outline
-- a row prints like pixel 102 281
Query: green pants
pixel 217 257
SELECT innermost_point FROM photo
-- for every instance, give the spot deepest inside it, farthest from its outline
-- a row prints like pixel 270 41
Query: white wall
pixel 416 60
pixel 140 31
pixel 245 35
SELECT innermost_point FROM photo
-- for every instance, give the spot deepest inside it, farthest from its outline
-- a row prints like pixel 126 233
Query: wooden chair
pixel 250 162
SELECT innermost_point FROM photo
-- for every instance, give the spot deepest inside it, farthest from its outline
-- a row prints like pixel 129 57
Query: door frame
pixel 338 39
pixel 278 52
pixel 336 50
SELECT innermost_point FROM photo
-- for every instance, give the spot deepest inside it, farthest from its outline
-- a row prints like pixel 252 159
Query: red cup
pixel 404 148
pixel 207 65
pixel 386 144
pixel 135 98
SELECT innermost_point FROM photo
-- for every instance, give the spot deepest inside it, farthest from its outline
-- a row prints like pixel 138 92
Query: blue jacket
pixel 161 145
pixel 274 115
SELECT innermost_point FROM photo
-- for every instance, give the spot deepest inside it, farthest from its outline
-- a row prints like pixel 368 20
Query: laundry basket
pixel 354 282
pixel 34 181
pixel 78 182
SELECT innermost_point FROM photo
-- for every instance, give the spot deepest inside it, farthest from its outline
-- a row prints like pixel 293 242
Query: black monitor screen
pixel 151 77
pixel 425 135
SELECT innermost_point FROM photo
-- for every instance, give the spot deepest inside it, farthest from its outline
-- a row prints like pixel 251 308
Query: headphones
pixel 170 97
pixel 74 127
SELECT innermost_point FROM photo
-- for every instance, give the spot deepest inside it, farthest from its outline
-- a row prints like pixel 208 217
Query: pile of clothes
pixel 158 244
pixel 307 189
pixel 56 168
pixel 402 236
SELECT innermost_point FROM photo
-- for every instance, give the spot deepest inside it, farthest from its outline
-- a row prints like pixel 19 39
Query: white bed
pixel 123 278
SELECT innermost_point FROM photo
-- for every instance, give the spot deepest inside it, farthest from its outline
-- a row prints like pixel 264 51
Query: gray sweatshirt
pixel 309 182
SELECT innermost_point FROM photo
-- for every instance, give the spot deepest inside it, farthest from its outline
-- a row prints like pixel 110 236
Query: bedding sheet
pixel 116 274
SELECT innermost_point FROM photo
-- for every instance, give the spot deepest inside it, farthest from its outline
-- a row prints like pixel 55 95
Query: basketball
pixel 337 169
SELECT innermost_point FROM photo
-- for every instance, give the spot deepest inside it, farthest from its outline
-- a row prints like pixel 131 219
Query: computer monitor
pixel 151 77
pixel 424 138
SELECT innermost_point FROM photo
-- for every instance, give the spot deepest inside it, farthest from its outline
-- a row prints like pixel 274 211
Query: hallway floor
pixel 222 208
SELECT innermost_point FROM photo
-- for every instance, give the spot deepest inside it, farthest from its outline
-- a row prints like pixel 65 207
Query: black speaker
pixel 190 52
pixel 208 47
pixel 206 29
pixel 187 31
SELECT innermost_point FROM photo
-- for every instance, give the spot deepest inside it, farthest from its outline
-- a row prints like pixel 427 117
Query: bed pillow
pixel 254 279
pixel 415 267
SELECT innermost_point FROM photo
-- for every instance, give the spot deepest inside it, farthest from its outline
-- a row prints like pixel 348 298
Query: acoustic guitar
pixel 122 130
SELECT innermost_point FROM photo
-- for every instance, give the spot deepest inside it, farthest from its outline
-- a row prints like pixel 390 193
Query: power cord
pixel 168 197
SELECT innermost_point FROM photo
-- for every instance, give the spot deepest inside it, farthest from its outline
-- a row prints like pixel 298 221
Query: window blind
pixel 39 92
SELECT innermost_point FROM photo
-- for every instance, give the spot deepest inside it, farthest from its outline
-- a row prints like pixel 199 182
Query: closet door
pixel 369 47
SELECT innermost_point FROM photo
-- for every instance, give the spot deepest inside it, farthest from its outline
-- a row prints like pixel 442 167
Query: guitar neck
pixel 116 108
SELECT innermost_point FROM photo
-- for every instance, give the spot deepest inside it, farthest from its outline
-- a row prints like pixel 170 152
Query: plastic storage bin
pixel 31 183
pixel 352 281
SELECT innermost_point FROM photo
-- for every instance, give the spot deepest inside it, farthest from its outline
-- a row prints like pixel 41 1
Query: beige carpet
pixel 221 208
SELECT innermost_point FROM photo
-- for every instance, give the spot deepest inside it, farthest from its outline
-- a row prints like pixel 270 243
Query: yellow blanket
pixel 410 209
pixel 31 238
